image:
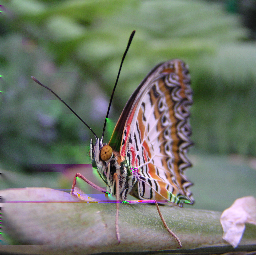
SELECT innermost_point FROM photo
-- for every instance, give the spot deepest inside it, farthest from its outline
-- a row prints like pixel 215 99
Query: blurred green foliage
pixel 75 48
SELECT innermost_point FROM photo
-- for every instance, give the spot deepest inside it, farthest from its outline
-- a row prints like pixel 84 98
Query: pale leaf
pixel 233 219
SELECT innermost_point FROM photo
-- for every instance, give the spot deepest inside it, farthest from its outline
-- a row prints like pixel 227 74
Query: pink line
pixel 96 201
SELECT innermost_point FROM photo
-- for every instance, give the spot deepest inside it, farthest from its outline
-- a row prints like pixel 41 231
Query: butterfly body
pixel 146 154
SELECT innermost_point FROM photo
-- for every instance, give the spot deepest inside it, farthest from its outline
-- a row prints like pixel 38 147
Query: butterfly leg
pixel 165 225
pixel 87 181
pixel 117 206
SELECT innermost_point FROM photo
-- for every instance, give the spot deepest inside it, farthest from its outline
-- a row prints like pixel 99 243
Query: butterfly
pixel 147 153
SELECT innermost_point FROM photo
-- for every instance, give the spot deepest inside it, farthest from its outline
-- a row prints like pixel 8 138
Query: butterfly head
pixel 108 162
pixel 100 155
pixel 104 161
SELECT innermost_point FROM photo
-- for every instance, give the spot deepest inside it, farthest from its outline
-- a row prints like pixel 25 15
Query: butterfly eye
pixel 106 152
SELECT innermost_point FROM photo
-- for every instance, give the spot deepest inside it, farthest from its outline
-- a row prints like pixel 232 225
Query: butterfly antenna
pixel 38 82
pixel 117 78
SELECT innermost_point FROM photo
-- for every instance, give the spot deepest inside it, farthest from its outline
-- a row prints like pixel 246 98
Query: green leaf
pixel 59 223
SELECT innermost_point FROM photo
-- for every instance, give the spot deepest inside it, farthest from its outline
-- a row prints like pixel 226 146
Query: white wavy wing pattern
pixel 156 134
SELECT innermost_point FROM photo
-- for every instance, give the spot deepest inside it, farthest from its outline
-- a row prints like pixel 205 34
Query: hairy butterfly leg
pixel 117 206
pixel 87 181
pixel 167 228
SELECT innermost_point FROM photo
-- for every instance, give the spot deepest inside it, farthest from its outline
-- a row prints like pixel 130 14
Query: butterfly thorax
pixel 108 164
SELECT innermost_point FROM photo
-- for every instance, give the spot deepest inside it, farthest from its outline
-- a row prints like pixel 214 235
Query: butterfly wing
pixel 153 133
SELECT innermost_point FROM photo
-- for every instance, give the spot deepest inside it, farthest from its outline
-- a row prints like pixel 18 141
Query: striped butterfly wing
pixel 153 134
